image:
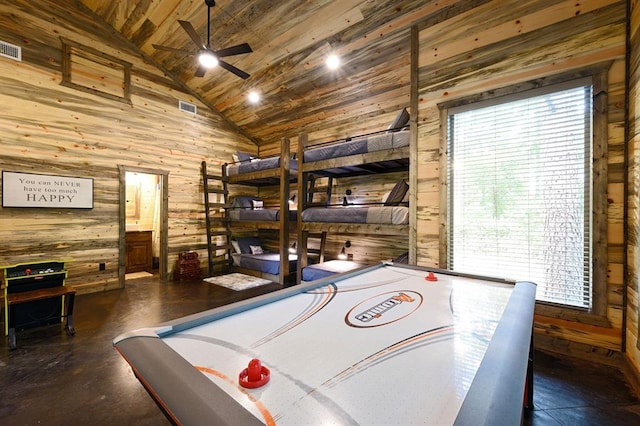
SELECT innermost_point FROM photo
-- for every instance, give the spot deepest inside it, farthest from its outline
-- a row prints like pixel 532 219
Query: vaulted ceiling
pixel 290 40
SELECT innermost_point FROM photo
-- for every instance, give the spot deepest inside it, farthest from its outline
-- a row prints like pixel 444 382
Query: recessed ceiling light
pixel 333 62
pixel 253 96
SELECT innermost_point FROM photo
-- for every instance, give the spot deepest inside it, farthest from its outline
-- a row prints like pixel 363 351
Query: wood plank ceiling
pixel 290 40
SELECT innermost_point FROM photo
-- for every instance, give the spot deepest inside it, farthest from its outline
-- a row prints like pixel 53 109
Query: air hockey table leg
pixel 528 391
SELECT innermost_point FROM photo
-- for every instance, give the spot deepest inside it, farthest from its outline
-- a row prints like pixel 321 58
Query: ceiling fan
pixel 207 57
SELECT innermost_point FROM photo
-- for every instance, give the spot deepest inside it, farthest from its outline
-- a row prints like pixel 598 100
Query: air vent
pixel 187 107
pixel 11 51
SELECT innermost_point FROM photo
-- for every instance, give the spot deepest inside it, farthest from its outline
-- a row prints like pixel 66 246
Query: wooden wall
pixel 52 129
pixel 491 47
pixel 633 204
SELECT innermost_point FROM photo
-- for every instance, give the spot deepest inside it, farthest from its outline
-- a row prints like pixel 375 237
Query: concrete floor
pixel 54 379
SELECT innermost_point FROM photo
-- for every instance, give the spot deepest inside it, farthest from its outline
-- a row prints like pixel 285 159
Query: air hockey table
pixel 385 344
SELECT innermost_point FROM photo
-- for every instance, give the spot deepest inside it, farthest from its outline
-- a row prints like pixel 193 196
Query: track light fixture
pixel 345 201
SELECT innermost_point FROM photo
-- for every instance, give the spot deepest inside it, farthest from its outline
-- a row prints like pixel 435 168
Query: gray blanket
pixel 358 146
pixel 390 215
pixel 257 165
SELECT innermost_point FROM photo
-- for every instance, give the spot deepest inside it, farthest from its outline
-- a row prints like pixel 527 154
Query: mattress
pixel 269 215
pixel 359 145
pixel 257 215
pixel 326 269
pixel 267 262
pixel 257 165
pixel 389 215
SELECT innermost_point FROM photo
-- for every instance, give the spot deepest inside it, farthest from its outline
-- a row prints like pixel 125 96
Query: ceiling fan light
pixel 207 59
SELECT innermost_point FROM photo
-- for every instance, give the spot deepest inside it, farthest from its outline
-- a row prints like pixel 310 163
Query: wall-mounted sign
pixel 34 190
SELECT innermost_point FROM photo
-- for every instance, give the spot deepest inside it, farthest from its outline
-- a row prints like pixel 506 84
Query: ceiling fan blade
pixel 234 50
pixel 192 33
pixel 200 72
pixel 171 49
pixel 233 69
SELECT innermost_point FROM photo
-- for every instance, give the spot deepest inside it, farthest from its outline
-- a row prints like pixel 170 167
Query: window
pixel 519 179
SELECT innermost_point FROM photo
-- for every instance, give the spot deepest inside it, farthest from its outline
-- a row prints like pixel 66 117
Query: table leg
pixel 11 328
pixel 12 338
pixel 70 327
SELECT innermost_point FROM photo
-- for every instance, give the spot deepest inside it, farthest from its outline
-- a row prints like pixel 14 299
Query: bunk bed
pixel 267 171
pixel 374 153
pixel 318 271
pixel 251 258
pixel 249 208
pixel 321 270
pixel 377 152
pixel 385 212
pixel 249 212
pixel 249 170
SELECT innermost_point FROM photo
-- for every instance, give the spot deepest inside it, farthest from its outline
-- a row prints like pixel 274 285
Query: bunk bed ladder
pixel 304 250
pixel 312 190
pixel 322 240
pixel 217 221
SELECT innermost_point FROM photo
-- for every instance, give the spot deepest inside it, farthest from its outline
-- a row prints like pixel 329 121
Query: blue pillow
pixel 244 244
pixel 244 156
pixel 399 122
pixel 397 194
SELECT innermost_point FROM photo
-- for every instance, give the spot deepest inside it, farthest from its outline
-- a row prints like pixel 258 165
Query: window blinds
pixel 519 201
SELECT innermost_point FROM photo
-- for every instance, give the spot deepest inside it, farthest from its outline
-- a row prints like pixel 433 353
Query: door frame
pixel 164 219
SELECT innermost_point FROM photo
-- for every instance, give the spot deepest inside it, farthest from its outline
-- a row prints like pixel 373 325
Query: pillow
pixel 397 194
pixel 244 202
pixel 244 156
pixel 399 122
pixel 236 246
pixel 256 249
pixel 403 258
pixel 245 244
pixel 257 204
pixel 235 157
pixel 385 197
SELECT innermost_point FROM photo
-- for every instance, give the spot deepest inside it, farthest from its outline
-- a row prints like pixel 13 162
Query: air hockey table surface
pixel 380 345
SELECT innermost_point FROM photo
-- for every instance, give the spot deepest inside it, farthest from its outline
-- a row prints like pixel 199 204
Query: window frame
pixel 599 169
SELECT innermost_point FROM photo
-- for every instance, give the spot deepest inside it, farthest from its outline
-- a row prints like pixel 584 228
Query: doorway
pixel 143 223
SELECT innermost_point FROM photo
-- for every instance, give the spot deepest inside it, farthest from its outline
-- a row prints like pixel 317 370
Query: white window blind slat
pixel 519 192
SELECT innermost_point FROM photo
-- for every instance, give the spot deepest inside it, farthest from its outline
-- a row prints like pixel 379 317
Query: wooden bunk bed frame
pixel 385 161
pixel 283 177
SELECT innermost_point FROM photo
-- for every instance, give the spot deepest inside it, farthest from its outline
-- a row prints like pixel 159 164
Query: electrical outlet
pixel 102 266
